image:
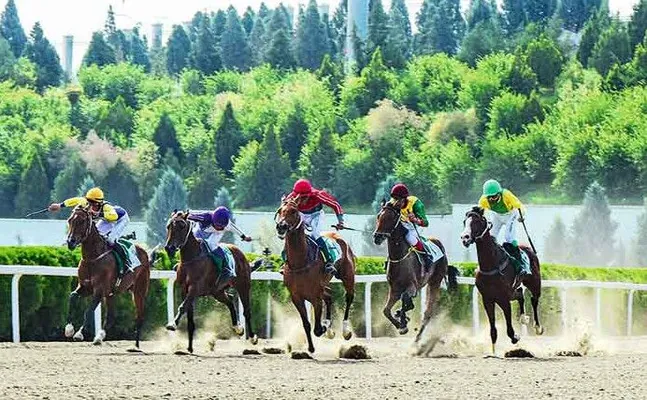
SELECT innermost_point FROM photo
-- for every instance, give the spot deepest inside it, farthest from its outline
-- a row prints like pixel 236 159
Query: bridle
pixel 89 222
pixel 188 225
pixel 397 224
pixel 488 227
pixel 282 223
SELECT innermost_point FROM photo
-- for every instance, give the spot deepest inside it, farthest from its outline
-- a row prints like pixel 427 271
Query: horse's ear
pixel 480 210
pixel 283 197
pixel 383 202
pixel 186 214
pixel 174 212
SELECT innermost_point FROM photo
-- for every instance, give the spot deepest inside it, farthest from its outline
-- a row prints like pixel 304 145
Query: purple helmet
pixel 220 217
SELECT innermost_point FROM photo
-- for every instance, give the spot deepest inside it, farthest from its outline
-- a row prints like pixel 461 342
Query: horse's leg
pixel 88 316
pixel 140 309
pixel 507 313
pixel 108 322
pixel 243 293
pixel 407 305
pixel 347 332
pixel 301 308
pixel 523 318
pixel 318 308
pixel 224 298
pixel 327 322
pixel 489 310
pixel 190 322
pixel 180 312
pixel 433 295
pixel 391 300
pixel 534 300
pixel 79 292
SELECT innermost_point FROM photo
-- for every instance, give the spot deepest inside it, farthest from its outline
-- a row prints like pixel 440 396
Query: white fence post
pixel 630 312
pixel 170 300
pixel 563 307
pixel 15 308
pixel 367 310
pixel 268 315
pixel 598 309
pixel 476 322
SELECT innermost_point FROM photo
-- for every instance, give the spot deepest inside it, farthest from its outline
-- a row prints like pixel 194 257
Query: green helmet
pixel 491 188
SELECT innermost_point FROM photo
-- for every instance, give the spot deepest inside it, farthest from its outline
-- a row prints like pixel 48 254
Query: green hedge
pixel 44 300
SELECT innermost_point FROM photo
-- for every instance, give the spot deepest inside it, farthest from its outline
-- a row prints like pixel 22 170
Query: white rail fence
pixel 17 271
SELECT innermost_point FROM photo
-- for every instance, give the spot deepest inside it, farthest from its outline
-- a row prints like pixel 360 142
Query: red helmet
pixel 302 186
pixel 399 191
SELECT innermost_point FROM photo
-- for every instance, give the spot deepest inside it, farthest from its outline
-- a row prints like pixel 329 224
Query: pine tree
pixel 165 137
pixel 338 29
pixel 205 54
pixel 33 188
pixel 204 180
pixel 11 29
pixel 397 47
pixel 272 168
pixel 279 54
pixel 540 10
pixel 169 195
pixel 228 139
pixel 120 118
pixel 612 48
pixel 514 16
pixel 248 20
pixel 592 239
pixel 41 52
pixel 358 51
pixel 556 242
pixel 120 186
pixel 545 60
pixel 311 40
pixel 378 26
pixel 86 184
pixel 220 23
pixel 440 27
pixel 139 51
pixel 178 49
pixel 480 11
pixel 99 53
pixel 638 24
pixel 319 164
pixel 67 181
pixel 590 35
pixel 257 42
pixel 293 134
pixel 7 60
pixel 194 25
pixel 573 13
pixel 235 50
pixel 332 74
pixel 486 38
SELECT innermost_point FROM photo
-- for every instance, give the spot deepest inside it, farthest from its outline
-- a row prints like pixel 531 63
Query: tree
pixel 33 188
pixel 397 47
pixel 510 113
pixel 220 23
pixel 228 139
pixel 165 137
pixel 319 159
pixel 7 60
pixel 612 48
pixel 48 66
pixel 99 53
pixel 236 53
pixel 441 27
pixel 332 74
pixel 139 51
pixel 169 195
pixel 119 119
pixel 378 26
pixel 86 184
pixel 178 49
pixel 480 11
pixel 67 181
pixel 294 133
pixel 592 233
pixel 338 30
pixel 279 53
pixel 593 28
pixel 24 73
pixel 205 54
pixel 573 13
pixel 540 10
pixel 120 186
pixel 311 40
pixel 11 29
pixel 521 78
pixel 638 24
pixel 204 180
pixel 556 242
pixel 545 60
pixel 248 20
pixel 192 82
pixel 514 16
pixel 486 38
pixel 257 42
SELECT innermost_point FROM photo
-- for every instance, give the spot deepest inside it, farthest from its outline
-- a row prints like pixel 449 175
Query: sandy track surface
pixel 455 370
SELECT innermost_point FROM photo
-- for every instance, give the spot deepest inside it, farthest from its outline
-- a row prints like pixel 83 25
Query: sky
pixel 81 17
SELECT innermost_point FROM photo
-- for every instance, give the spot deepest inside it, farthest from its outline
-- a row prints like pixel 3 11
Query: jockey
pixel 412 213
pixel 310 203
pixel 112 219
pixel 211 227
pixel 505 207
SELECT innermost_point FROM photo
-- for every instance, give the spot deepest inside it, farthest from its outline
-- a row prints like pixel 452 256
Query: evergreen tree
pixel 41 52
pixel 120 118
pixel 540 10
pixel 169 195
pixel 319 163
pixel 514 16
pixel 397 48
pixel 486 38
pixel 590 35
pixel 120 186
pixel 194 26
pixel 11 29
pixel 272 168
pixel 205 54
pixel 139 51
pixel 338 30
pixel 278 21
pixel 378 26
pixel 178 49
pixel 440 27
pixel 248 20
pixel 556 242
pixel 67 181
pixel 592 239
pixel 480 11
pixel 204 180
pixel 358 51
pixel 86 184
pixel 573 13
pixel 545 60
pixel 7 60
pixel 220 23
pixel 99 53
pixel 257 41
pixel 311 39
pixel 374 82
pixel 638 24
pixel 294 133
pixel 33 188
pixel 165 137
pixel 332 74
pixel 279 53
pixel 235 50
pixel 264 12
pixel 401 6
pixel 611 48
pixel 228 139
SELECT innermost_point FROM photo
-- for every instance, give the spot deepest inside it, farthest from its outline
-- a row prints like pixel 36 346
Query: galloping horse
pixel 97 276
pixel 196 274
pixel 304 274
pixel 496 278
pixel 405 271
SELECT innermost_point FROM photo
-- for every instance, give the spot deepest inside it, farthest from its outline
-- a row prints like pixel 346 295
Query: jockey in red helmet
pixel 310 203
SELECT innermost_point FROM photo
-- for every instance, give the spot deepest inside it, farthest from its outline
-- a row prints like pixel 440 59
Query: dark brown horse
pixel 304 274
pixel 197 276
pixel 405 272
pixel 97 276
pixel 496 279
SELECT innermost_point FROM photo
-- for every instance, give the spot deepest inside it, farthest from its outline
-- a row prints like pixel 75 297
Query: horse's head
pixel 79 226
pixel 476 226
pixel 388 220
pixel 287 218
pixel 178 230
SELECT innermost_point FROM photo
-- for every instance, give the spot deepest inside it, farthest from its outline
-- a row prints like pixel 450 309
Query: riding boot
pixel 426 257
pixel 514 251
pixel 329 268
pixel 125 257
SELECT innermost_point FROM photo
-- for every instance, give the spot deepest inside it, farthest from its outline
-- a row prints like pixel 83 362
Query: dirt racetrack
pixel 456 370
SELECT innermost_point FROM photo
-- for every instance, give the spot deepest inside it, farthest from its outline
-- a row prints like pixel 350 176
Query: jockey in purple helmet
pixel 211 227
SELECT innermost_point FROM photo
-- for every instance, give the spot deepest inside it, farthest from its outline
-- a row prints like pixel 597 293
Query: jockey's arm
pixel 419 212
pixel 74 201
pixel 512 202
pixel 231 227
pixel 109 213
pixel 332 202
pixel 483 203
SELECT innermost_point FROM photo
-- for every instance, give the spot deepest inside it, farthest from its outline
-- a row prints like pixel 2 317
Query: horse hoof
pixel 78 336
pixel 69 330
pixel 98 340
pixel 403 331
pixel 311 349
pixel 238 330
pixel 347 332
pixel 524 319
pixel 171 327
pixel 134 350
pixel 515 339
pixel 320 331
pixel 254 340
pixel 330 334
pixel 539 330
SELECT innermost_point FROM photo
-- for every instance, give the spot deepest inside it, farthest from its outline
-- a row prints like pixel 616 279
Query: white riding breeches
pixel 314 221
pixel 113 230
pixel 507 221
pixel 411 236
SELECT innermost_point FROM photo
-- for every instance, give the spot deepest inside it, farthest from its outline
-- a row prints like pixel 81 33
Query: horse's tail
pixel 452 277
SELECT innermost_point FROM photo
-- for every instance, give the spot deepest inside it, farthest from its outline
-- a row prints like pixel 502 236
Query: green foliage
pixel 41 52
pixel 545 60
pixel 455 171
pixel 169 195
pixel 192 82
pixel 99 53
pixel 279 52
pixel 11 29
pixel 228 139
pixel 509 113
pixel 178 49
pixel 236 53
pixel 638 23
pixel 486 38
pixel 33 189
pixel 204 180
pixel 24 73
pixel 611 48
pixel 257 41
pixel 556 242
pixel 165 137
pixel 294 133
pixel 139 51
pixel 480 11
pixel 311 41
pixel 205 55
pixel 119 186
pixel 319 158
pixel 540 10
pixel 593 28
pixel 514 16
pixel 359 95
pixel 378 26
pixel 441 27
pixel 248 20
pixel 69 180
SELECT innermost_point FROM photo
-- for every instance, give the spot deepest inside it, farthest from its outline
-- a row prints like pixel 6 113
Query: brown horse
pixel 405 272
pixel 304 274
pixel 196 274
pixel 496 279
pixel 97 276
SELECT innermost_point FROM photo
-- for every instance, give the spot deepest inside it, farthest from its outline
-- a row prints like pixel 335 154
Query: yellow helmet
pixel 94 194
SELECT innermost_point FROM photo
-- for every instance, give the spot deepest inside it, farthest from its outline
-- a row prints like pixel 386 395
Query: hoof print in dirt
pixel 568 353
pixel 301 355
pixel 519 353
pixel 181 353
pixel 273 350
pixel 354 352
pixel 251 352
pixel 451 355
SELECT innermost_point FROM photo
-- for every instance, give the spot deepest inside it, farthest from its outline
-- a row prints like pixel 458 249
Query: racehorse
pixel 405 272
pixel 97 276
pixel 496 279
pixel 197 275
pixel 304 274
